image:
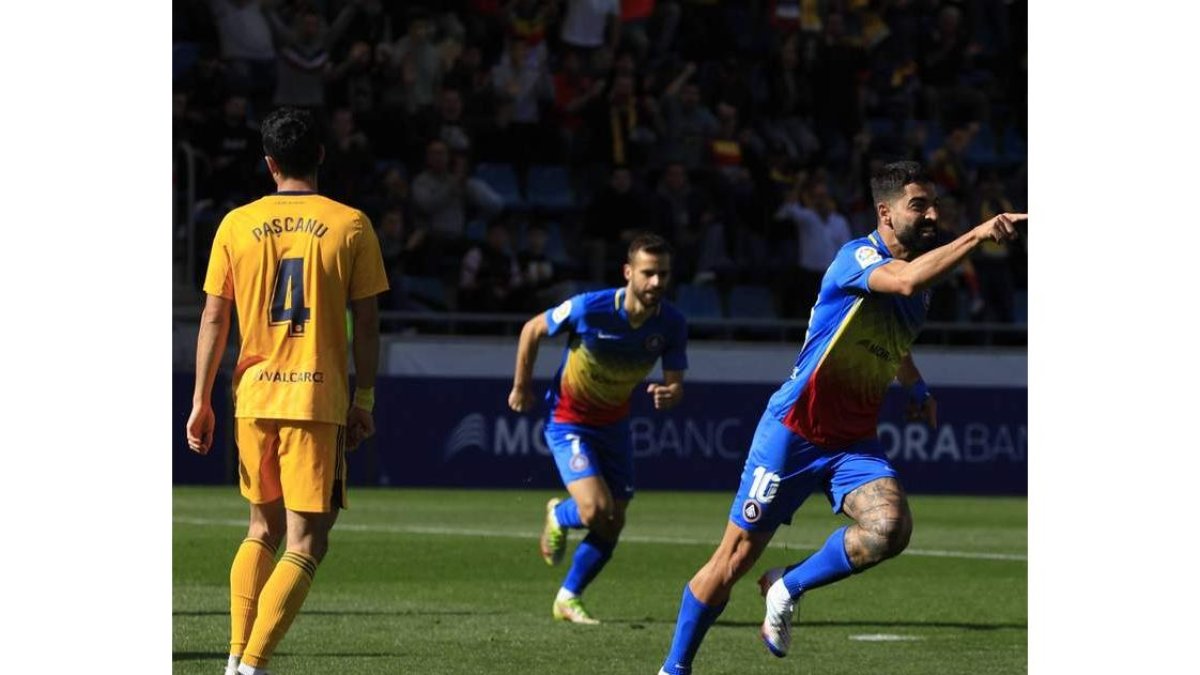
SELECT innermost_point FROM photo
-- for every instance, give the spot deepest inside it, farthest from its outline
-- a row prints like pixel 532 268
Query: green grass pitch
pixel 449 581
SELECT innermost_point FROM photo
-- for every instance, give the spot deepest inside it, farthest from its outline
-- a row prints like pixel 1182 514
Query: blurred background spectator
pixel 745 132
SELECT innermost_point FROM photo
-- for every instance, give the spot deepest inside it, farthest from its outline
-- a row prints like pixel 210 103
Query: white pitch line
pixel 634 538
pixel 885 637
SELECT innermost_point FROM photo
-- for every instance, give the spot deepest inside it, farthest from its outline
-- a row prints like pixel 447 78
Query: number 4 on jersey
pixel 287 302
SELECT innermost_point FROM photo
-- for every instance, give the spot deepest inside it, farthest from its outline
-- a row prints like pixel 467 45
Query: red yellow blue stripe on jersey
pixel 855 342
pixel 606 357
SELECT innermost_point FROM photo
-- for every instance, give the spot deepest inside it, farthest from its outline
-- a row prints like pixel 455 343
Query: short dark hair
pixel 291 138
pixel 887 184
pixel 650 243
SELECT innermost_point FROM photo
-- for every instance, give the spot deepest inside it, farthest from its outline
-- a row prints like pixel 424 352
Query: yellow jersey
pixel 291 262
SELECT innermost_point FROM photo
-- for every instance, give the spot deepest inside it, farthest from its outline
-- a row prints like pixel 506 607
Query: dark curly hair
pixel 291 138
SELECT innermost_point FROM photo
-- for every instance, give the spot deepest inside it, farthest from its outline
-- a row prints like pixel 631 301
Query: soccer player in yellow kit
pixel 291 263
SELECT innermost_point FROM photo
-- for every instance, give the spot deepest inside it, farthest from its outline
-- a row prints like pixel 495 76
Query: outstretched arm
pixel 521 398
pixel 210 345
pixel 909 278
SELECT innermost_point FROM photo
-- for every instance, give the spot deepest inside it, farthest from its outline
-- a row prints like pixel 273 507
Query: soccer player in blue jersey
pixel 615 338
pixel 819 429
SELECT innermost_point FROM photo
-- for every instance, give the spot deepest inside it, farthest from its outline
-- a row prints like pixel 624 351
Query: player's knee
pixel 267 531
pixel 890 536
pixel 596 515
pixel 610 529
pixel 314 547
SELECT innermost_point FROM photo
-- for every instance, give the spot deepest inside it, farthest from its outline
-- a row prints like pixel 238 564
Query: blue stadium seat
pixel 982 150
pixel 751 302
pixel 503 179
pixel 549 188
pixel 556 248
pixel 429 291
pixel 476 230
pixel 699 301
pixel 183 57
pixel 1013 146
pixel 1021 307
pixel 382 166
pixel 934 137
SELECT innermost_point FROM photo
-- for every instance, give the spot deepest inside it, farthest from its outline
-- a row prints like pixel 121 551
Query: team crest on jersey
pixel 751 511
pixel 866 256
pixel 561 312
pixel 655 343
pixel 578 462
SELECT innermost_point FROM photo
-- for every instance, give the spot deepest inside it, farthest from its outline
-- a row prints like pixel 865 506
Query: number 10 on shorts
pixel 765 485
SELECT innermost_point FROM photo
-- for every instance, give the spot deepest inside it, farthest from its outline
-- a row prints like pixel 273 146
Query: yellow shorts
pixel 304 462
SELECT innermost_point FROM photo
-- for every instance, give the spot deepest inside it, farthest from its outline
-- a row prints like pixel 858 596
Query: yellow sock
pixel 251 567
pixel 278 605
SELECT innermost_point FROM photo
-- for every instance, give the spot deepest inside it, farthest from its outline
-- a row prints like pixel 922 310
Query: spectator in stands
pixel 690 126
pixel 993 261
pixel 616 215
pixel 348 164
pixel 714 263
pixel 246 47
pixel 574 91
pixel 207 85
pixel 947 166
pixel 820 232
pixel 622 126
pixel 791 106
pixel 839 60
pixel 945 53
pixel 304 63
pixel 589 26
pixel 489 277
pixel 351 82
pixel 185 123
pixel 539 274
pixel 441 195
pixel 522 80
pixel 636 19
pixel 529 21
pixel 964 282
pixel 233 150
pixel 413 67
pixel 444 122
pixel 678 206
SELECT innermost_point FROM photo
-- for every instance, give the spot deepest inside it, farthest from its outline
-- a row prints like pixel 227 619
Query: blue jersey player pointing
pixel 818 431
pixel 615 337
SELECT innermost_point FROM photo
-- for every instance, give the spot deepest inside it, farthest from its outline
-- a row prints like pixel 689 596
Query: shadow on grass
pixel 352 612
pixel 960 625
pixel 221 656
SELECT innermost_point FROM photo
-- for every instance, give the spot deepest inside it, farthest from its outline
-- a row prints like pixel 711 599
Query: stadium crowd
pixel 507 151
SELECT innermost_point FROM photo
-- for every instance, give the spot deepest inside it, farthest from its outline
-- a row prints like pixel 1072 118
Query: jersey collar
pixel 878 241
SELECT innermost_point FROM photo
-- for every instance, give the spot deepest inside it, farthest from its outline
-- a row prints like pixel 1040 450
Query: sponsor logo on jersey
pixel 751 511
pixel 866 256
pixel 561 312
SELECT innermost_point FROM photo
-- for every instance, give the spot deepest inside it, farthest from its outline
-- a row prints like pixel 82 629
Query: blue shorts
pixel 581 451
pixel 783 468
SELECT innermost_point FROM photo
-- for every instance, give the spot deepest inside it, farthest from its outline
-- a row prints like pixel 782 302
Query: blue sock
pixel 567 513
pixel 590 557
pixel 694 620
pixel 826 566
